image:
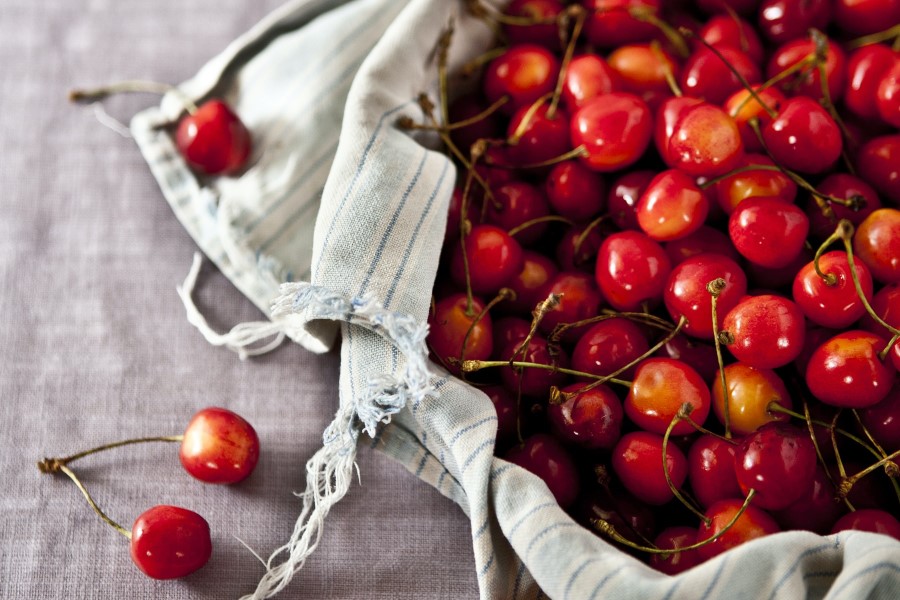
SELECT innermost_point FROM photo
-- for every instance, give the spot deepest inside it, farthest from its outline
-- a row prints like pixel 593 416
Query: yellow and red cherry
pixel 807 81
pixel 493 259
pixel 686 292
pixel 632 270
pixel 866 68
pixel 750 391
pixel 847 372
pixel 754 523
pixel 784 20
pixel 762 183
pixel 575 192
pixel 587 77
pixel 674 538
pixel 623 197
pixel 661 386
pixel 610 24
pixel 643 71
pixel 668 113
pixel 615 130
pixel 767 331
pixel 742 107
pixel 523 73
pixel 591 419
pixel 869 519
pixel 169 542
pixel 711 470
pixel 637 460
pixel 767 231
pixel 453 323
pixel 833 303
pixel 815 510
pixel 219 446
pixel 213 140
pixel 879 165
pixel 542 455
pixel 608 346
pixel 803 137
pixel 672 207
pixel 877 243
pixel 579 299
pixel 705 142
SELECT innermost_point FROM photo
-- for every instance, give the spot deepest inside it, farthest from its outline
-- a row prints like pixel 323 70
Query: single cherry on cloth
pixel 767 231
pixel 590 419
pixel 847 372
pixel 659 389
pixel 832 302
pixel 615 130
pixel 711 470
pixel 632 270
pixel 750 392
pixel 213 140
pixel 869 519
pixel 767 331
pixel 493 259
pixel 672 206
pixel 219 446
pixel 687 295
pixel 169 542
pixel 752 524
pixel 876 242
pixel 542 455
pixel 638 461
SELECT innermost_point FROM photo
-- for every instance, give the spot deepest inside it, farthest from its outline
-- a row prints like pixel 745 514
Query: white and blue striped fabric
pixel 352 210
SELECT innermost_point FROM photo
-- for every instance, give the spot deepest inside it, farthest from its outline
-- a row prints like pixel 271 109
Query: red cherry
pixel 642 70
pixel 767 231
pixel 862 17
pixel 879 165
pixel 742 107
pixel 876 521
pixel 624 195
pixel 219 446
pixel 673 538
pixel 524 73
pixel 638 461
pixel 660 387
pixel 672 207
pixel 545 33
pixel 882 420
pixel 542 455
pixel 844 186
pixel 768 331
pixel 686 292
pixel 540 138
pixel 587 77
pixel 711 470
pixel 608 346
pixel 784 20
pixel 752 524
pixel 466 107
pixel 590 419
pixel 807 81
pixel 728 30
pixel 667 115
pixel 877 243
pixel 450 323
pixel 816 509
pixel 631 270
pixel 762 183
pixel 168 542
pixel 574 191
pixel 530 381
pixel 700 356
pixel 803 137
pixel 579 299
pixel 515 203
pixel 613 504
pixel 836 305
pixel 705 142
pixel 532 284
pixel 615 129
pixel 845 371
pixel 888 96
pixel 886 304
pixel 507 411
pixel 454 213
pixel 742 7
pixel 706 240
pixel 213 140
pixel 866 68
pixel 750 391
pixel 707 76
pixel 610 25
pixel 494 258
pixel 577 250
pixel 510 329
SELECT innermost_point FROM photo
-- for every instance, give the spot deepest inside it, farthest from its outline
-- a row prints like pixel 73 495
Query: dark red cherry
pixel 579 299
pixel 467 107
pixel 672 206
pixel 532 382
pixel 686 292
pixel 538 137
pixel 587 77
pixel 700 356
pixel 750 391
pixel 742 7
pixel 660 387
pixel 614 129
pixel 507 411
pixel 544 33
pixel 590 419
pixel 846 371
pixel 633 519
pixel 624 195
pixel 847 187
pixel 542 455
pixel 729 30
pixel 803 137
pixel 784 20
pixel 578 247
pixel 452 321
pixel 706 240
pixel 524 73
pixel 213 140
pixel 219 446
pixel 886 304
pixel 879 165
pixel 768 331
pixel 832 303
pixel 767 231
pixel 493 257
pixel 515 204
pixel 673 538
pixel 532 284
pixel 752 524
pixel 707 76
pixel 454 214
pixel 882 420
pixel 632 270
pixel 807 81
pixel 816 509
pixel 862 17
pixel 168 542
pixel 711 470
pixel 866 68
pixel 638 462
pixel 574 191
pixel 877 243
pixel 608 346
pixel 609 23
pixel 874 520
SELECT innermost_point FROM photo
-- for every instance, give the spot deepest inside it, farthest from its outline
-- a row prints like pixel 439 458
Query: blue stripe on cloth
pixel 461 432
pixel 530 512
pixel 574 575
pixel 672 589
pixel 518 579
pixel 422 462
pixel 483 571
pixel 545 531
pixel 310 203
pixel 476 452
pixel 606 579
pixel 500 471
pixel 854 594
pixel 796 565
pixel 482 529
pixel 724 561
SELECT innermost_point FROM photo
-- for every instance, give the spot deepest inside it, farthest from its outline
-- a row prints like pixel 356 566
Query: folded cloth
pixel 336 227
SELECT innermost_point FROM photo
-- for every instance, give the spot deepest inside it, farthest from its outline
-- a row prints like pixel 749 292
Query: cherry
pixel 577 250
pixel 815 510
pixel 219 446
pixel 711 470
pixel 587 77
pixel 667 115
pixel 532 284
pixel 510 329
pixel 886 304
pixel 531 381
pixel 450 323
pixel 705 141
pixel 516 203
pixel 614 129
pixel 673 538
pixel 877 244
pixel 610 24
pixel 608 346
pixel 803 136
pixel 624 195
pixel 535 136
pixel 213 140
pixel 768 232
pixel 545 33
pixel 861 17
pixel 524 73
pixel 660 387
pixel 466 107
pixel 762 183
pixel 729 30
pixel 784 20
pixel 637 459
pixel 686 292
pixel 779 277
pixel 700 356
pixel 750 391
pixel 671 207
pixel 705 75
pixel 705 240
pixel 876 521
pixel 866 68
pixel 752 524
pixel 807 80
pixel 494 258
pixel 633 519
pixel 846 371
pixel 846 187
pixel 631 270
pixel 574 191
pixel 778 461
pixel 591 419
pixel 833 303
pixel 767 331
pixel 879 165
pixel 888 96
pixel 454 213
pixel 542 455
pixel 742 107
pixel 723 6
pixel 642 70
pixel 882 420
pixel 168 542
pixel 579 299
pixel 507 412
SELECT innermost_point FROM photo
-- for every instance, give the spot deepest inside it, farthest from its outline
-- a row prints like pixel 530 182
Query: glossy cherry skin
pixel 767 231
pixel 862 17
pixel 877 244
pixel 587 77
pixel 751 391
pixel 608 346
pixel 876 521
pixel 578 247
pixel 633 519
pixel 866 68
pixel 837 305
pixel 879 165
pixel 631 270
pixel 615 129
pixel 540 137
pixel 768 331
pixel 882 420
pixel 638 462
pixel 815 510
pixel 507 412
pixel 778 461
pixel 886 304
pixel 542 455
pixel 727 30
pixel 451 322
pixel 532 382
pixel 762 183
pixel 700 356
pixel 673 538
pixel 807 81
pixel 803 137
pixel 524 73
pixel 711 470
pixel 659 389
pixel 642 70
pixel 609 24
pixel 169 542
pixel 574 191
pixel 752 524
pixel 849 187
pixel 668 113
pixel 686 293
pixel 545 33
pixel 846 372
pixel 516 203
pixel 624 194
pixel 213 140
pixel 532 284
pixel 742 107
pixel 219 446
pixel 706 240
pixel 671 207
pixel 706 76
pixel 494 258
pixel 888 96
pixel 784 20
pixel 579 299
pixel 705 142
pixel 590 419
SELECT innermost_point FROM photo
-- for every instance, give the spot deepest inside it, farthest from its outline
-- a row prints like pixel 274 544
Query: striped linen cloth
pixel 350 211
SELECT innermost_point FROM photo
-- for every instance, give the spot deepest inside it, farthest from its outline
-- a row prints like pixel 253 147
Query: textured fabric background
pixel 95 346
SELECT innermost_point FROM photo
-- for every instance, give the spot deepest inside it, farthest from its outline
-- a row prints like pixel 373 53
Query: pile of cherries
pixel 672 262
pixel 169 542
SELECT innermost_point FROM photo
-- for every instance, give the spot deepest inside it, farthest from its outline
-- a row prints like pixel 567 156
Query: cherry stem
pixel 479 61
pixel 408 123
pixel 778 408
pixel 131 86
pixel 674 36
pixel 848 483
pixel 607 528
pixel 537 221
pixel 807 418
pixel 642 318
pixel 716 287
pixel 891 470
pixel 875 38
pixel 580 14
pixel 51 465
pixel 537 315
pixel 90 501
pixel 503 294
pixel 526 120
pixel 821 45
pixel 443 49
pixel 667 68
pixel 587 230
pixel 685 410
pixel 476 365
pixel 484 11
